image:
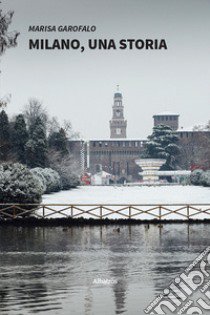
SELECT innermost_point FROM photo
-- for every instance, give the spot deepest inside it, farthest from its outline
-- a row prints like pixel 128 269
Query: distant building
pixel 117 155
pixel 118 124
pixel 192 133
pixel 168 119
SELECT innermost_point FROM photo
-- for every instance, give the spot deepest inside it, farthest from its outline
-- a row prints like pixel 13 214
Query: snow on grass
pixel 131 195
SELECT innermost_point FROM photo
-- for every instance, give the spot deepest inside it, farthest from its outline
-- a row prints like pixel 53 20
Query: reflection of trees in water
pixel 23 291
pixel 3 297
pixel 34 297
pixel 23 271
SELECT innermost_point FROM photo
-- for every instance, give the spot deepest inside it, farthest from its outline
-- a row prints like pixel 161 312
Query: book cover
pixel 104 157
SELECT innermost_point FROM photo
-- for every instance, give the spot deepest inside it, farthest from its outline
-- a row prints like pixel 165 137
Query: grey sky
pixel 80 86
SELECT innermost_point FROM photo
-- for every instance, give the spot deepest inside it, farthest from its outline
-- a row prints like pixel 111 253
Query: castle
pixel 117 154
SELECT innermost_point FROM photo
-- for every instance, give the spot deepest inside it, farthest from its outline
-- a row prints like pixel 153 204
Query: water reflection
pixel 53 270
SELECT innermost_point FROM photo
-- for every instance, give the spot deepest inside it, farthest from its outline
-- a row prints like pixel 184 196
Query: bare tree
pixel 7 39
pixel 53 125
pixel 67 168
pixel 196 150
pixel 70 133
pixel 33 110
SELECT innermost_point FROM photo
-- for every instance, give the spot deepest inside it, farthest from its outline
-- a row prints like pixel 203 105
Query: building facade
pixel 117 154
pixel 116 157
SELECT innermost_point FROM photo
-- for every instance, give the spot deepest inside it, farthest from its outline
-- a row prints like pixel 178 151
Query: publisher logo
pixel 188 293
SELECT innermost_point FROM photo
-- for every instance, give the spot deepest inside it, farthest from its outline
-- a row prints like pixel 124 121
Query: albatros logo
pixel 189 293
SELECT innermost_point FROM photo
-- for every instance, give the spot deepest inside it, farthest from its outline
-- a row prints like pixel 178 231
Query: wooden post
pixel 14 213
pixel 101 212
pixel 43 212
pixel 160 212
pixel 188 212
pixel 71 211
pixel 129 212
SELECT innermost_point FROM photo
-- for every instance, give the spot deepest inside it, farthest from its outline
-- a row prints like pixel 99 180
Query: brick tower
pixel 168 119
pixel 118 124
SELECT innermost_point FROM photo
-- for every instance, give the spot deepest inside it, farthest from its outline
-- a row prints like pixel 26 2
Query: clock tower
pixel 118 124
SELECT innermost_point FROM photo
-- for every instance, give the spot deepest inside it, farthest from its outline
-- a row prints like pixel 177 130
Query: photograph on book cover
pixel 104 157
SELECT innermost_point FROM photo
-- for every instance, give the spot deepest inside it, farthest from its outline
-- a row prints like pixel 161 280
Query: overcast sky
pixel 80 86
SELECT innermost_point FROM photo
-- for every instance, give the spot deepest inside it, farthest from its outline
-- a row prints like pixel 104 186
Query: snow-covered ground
pixel 134 195
pixel 131 195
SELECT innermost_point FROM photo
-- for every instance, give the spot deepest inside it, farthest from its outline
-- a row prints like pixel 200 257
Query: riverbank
pixel 69 222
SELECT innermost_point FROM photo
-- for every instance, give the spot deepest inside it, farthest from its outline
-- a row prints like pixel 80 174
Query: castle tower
pixel 118 124
pixel 168 119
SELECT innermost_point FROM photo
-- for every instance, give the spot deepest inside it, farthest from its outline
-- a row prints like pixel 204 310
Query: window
pixel 118 131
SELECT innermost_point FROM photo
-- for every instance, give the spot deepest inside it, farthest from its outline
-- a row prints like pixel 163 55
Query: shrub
pixel 69 180
pixel 195 177
pixel 67 169
pixel 49 178
pixel 205 178
pixel 18 184
pixel 37 172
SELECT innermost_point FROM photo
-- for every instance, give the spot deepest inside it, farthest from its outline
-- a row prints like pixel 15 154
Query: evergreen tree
pixel 36 147
pixel 58 141
pixel 163 144
pixel 4 136
pixel 20 138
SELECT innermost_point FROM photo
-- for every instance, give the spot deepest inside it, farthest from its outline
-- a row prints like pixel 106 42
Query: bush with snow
pixel 195 177
pixel 205 178
pixel 18 184
pixel 68 179
pixel 50 179
pixel 37 172
pixel 67 168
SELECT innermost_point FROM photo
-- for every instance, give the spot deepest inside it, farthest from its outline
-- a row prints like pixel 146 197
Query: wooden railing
pixel 102 211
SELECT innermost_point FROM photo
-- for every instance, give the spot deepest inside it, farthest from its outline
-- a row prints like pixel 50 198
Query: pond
pixel 92 270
